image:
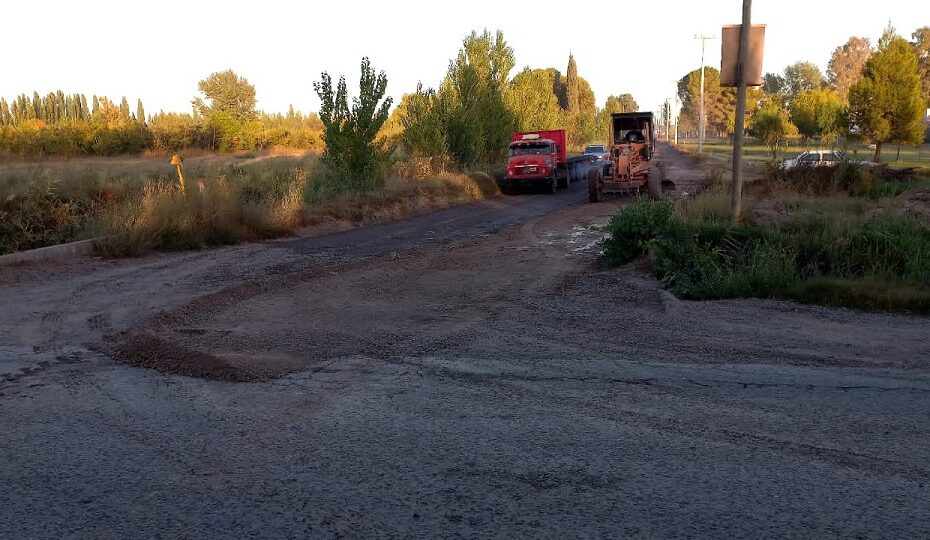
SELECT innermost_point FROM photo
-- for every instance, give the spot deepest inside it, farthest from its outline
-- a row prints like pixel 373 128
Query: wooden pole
pixel 178 163
pixel 740 112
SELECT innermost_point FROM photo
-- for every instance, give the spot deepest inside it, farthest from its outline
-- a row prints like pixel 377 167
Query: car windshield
pixel 595 149
pixel 529 149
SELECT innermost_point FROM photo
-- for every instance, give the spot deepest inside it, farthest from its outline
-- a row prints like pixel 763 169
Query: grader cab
pixel 632 143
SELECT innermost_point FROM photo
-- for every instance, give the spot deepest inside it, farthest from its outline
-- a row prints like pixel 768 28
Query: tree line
pixel 222 119
pixel 467 119
pixel 876 95
pixel 464 123
pixel 470 117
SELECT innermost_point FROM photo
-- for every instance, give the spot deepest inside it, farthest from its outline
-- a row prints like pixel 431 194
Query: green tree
pixel 84 109
pixel 533 100
pixel 477 122
pixel 349 134
pixel 887 104
pixel 37 109
pixel 6 119
pixel 124 113
pixel 921 45
pixel 571 87
pixel 773 83
pixel 571 101
pixel 846 63
pixel 801 76
pixel 423 120
pixel 719 103
pixel 818 113
pixel 140 112
pixel 585 123
pixel 771 124
pixel 228 93
pixel 754 97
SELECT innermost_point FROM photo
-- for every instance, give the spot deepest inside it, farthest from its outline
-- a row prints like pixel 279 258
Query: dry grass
pixel 134 206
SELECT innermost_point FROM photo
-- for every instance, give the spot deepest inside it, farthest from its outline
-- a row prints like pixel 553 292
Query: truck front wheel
pixel 563 182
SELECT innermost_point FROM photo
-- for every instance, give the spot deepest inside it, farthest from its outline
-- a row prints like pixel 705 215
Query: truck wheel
pixel 553 184
pixel 594 179
pixel 563 182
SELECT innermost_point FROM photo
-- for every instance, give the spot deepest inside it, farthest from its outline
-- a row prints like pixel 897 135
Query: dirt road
pixel 467 373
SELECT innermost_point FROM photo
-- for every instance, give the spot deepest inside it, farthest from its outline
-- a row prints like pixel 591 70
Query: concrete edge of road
pixel 60 252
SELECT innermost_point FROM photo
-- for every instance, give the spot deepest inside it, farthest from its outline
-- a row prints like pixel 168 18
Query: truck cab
pixel 533 161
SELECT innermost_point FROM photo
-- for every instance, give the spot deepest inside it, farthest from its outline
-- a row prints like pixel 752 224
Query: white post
pixel 701 117
pixel 702 121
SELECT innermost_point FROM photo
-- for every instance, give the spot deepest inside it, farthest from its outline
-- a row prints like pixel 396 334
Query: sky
pixel 158 51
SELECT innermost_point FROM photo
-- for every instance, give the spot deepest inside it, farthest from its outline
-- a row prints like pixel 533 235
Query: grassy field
pixel 134 205
pixel 910 156
pixel 832 237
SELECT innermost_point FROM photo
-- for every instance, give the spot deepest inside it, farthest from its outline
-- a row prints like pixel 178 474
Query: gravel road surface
pixel 467 373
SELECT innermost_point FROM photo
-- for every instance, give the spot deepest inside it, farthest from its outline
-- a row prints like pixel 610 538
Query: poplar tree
pixel 84 109
pixel 571 101
pixel 124 109
pixel 61 108
pixel 5 118
pixel 36 106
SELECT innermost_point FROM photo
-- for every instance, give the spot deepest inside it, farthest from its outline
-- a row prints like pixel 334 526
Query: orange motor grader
pixel 629 164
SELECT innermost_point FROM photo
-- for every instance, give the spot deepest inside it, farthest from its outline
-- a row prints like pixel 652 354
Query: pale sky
pixel 158 51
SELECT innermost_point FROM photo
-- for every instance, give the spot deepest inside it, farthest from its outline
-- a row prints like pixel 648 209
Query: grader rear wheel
pixel 654 183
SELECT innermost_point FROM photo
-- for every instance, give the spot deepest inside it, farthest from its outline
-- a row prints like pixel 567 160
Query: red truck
pixel 537 158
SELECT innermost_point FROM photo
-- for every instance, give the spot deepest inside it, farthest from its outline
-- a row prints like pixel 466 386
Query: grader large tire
pixel 594 186
pixel 654 183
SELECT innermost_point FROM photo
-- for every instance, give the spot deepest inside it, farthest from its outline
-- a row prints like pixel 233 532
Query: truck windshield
pixel 526 149
pixel 595 149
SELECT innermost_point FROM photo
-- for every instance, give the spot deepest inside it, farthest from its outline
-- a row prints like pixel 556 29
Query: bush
pixel 37 218
pixel 632 230
pixel 698 254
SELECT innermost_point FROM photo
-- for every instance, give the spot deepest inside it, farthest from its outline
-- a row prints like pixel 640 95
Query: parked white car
pixel 822 158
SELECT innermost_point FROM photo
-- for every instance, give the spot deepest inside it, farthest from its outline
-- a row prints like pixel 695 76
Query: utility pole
pixel 668 114
pixel 740 110
pixel 702 120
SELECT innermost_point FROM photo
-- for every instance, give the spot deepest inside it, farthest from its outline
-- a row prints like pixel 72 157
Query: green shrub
pixel 634 228
pixel 882 262
pixel 36 218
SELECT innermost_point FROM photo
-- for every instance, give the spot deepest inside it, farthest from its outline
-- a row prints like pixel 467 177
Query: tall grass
pixel 132 207
pixel 879 261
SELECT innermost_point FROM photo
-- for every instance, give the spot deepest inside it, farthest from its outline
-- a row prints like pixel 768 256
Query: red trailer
pixel 537 158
